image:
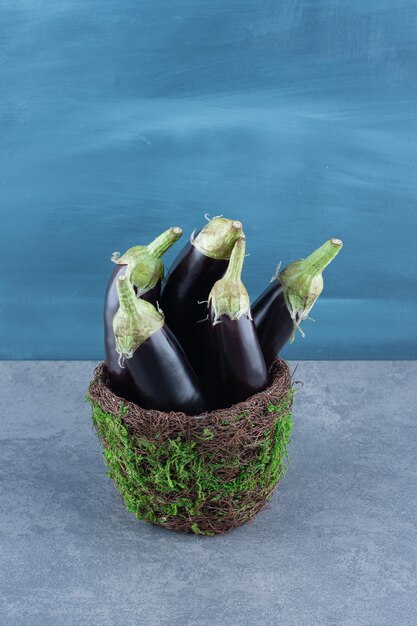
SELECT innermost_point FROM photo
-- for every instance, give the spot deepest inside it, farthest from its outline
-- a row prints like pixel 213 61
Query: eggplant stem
pixel 164 241
pixel 318 260
pixel 234 269
pixel 229 295
pixel 127 296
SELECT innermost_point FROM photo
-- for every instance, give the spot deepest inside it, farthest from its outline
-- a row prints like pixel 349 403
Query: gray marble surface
pixel 336 545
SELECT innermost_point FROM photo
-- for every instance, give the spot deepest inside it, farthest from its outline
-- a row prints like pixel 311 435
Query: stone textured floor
pixel 336 545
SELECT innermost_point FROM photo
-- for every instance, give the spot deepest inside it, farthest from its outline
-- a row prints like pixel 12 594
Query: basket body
pixel 205 474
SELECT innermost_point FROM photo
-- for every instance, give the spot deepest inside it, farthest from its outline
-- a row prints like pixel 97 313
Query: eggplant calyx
pixel 128 257
pixel 302 281
pixel 229 295
pixel 145 272
pixel 143 269
pixel 217 238
pixel 229 298
pixel 144 264
pixel 135 321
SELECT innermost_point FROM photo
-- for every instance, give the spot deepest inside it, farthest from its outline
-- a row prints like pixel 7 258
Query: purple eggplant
pixel 237 365
pixel 200 264
pixel 289 298
pixel 272 320
pixel 162 376
pixel 145 269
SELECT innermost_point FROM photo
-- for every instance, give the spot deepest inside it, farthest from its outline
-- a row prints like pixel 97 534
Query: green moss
pixel 175 478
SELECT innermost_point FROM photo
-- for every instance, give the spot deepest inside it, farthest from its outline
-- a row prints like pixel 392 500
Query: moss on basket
pixel 179 483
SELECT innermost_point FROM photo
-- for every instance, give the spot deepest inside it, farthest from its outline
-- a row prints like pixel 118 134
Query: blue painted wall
pixel 119 119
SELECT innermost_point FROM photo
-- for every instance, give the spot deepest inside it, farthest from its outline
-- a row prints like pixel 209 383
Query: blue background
pixel 120 119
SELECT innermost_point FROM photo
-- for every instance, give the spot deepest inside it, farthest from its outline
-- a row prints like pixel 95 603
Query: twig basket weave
pixel 205 474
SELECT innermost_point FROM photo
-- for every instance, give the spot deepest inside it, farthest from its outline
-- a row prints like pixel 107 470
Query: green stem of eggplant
pixel 217 238
pixel 135 321
pixel 164 241
pixel 128 304
pixel 237 258
pixel 302 280
pixel 229 296
pixel 318 260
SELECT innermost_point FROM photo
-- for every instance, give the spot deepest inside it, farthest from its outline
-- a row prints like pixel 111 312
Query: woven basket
pixel 205 474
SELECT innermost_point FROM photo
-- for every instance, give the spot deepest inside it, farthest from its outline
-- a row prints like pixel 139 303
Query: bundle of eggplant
pixel 199 345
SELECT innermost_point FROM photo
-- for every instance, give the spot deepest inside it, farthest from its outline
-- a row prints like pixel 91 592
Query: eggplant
pixel 272 320
pixel 190 278
pixel 162 377
pixel 144 267
pixel 238 366
pixel 288 299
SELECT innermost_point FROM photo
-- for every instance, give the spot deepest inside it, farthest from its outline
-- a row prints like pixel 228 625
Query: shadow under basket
pixel 205 474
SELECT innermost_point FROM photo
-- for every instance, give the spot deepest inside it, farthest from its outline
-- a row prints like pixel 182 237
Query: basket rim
pixel 279 384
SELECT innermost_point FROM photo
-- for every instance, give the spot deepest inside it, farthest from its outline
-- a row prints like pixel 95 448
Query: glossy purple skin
pixel 120 378
pixel 190 279
pixel 162 376
pixel 239 366
pixel 272 320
